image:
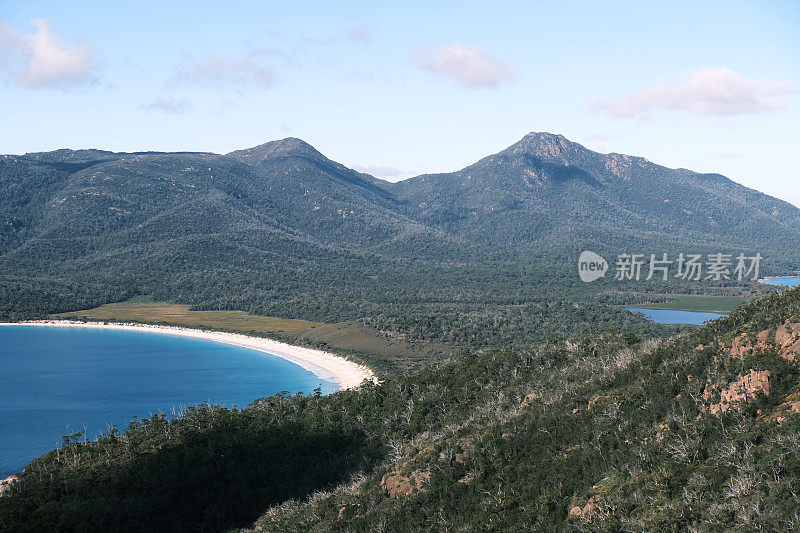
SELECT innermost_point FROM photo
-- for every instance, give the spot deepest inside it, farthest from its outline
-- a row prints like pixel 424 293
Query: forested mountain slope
pixel 599 432
pixel 281 229
pixel 227 231
pixel 697 432
pixel 555 194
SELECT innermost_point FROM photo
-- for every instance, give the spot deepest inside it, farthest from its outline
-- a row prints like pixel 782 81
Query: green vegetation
pixel 385 354
pixel 515 326
pixel 695 302
pixel 506 439
pixel 514 394
pixel 181 315
pixel 398 342
pixel 280 230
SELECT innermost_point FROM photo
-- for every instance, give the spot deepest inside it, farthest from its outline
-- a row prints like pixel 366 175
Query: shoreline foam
pixel 345 373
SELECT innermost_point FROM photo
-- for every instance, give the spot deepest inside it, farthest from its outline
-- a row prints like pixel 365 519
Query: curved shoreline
pixel 345 373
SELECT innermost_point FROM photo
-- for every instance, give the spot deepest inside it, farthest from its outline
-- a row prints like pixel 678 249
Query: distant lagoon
pixel 59 381
pixel 675 316
pixel 786 281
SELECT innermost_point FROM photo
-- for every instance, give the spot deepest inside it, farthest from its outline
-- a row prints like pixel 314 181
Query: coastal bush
pixel 591 433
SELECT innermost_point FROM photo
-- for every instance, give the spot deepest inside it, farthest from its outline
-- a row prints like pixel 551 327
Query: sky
pixel 409 87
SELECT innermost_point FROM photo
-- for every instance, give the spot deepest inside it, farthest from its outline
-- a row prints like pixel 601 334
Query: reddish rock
pixel 527 400
pixel 763 336
pixel 741 390
pixel 600 398
pixel 787 338
pixel 740 345
pixel 569 451
pixel 589 510
pixel 396 484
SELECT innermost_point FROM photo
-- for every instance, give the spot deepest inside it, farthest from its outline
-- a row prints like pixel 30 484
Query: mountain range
pixel 274 227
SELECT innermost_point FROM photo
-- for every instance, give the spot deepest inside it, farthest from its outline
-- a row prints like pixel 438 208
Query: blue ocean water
pixel 671 316
pixel 783 282
pixel 58 381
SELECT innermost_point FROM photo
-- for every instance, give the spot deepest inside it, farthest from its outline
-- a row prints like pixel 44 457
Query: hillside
pixel 699 432
pixel 602 432
pixel 548 192
pixel 279 229
pixel 174 226
pixel 512 390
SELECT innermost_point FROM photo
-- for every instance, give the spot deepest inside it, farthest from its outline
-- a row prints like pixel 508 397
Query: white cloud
pixel 710 91
pixel 223 71
pixel 381 171
pixel 177 106
pixel 42 59
pixel 471 67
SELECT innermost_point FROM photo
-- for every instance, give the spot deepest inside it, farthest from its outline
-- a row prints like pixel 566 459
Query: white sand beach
pixel 346 374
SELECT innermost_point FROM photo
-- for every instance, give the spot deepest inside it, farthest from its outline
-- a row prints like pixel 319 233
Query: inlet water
pixel 675 316
pixel 793 281
pixel 59 381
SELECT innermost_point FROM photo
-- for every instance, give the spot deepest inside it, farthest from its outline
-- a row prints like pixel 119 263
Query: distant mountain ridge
pixel 283 214
pixel 560 183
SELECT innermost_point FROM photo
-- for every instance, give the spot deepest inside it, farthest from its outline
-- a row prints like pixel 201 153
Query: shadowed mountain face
pixel 283 215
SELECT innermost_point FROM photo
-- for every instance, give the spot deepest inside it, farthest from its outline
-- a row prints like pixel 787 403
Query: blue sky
pixel 403 89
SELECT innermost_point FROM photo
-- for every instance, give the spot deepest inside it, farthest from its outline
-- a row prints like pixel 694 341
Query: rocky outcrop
pixel 742 390
pixel 397 484
pixel 412 476
pixel 787 340
pixel 588 511
pixel 570 450
pixel 597 400
pixel 5 484
pixel 465 450
pixel 592 508
pixel 528 399
pixel 789 407
pixel 743 345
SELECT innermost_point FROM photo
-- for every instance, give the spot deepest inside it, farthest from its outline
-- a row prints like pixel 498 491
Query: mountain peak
pixel 548 146
pixel 288 147
pixel 545 136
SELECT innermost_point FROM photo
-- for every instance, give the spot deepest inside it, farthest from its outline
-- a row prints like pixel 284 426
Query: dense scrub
pixel 616 428
pixel 512 326
pixel 606 438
